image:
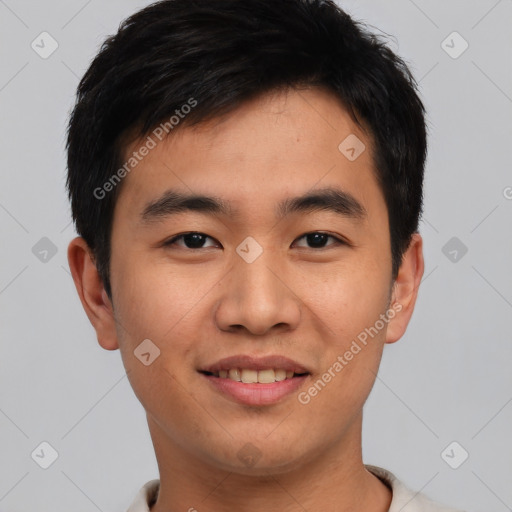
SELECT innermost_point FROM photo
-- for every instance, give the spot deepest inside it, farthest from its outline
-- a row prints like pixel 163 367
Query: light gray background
pixel 448 379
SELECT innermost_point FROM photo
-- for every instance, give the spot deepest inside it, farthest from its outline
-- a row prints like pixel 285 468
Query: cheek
pixel 349 304
pixel 152 300
pixel 347 298
pixel 151 307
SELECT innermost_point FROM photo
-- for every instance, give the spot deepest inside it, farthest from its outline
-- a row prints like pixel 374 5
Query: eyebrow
pixel 325 199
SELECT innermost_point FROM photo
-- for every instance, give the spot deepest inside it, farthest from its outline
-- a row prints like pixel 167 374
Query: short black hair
pixel 222 53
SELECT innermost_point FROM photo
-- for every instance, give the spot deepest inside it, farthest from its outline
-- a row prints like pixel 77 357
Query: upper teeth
pixel 252 376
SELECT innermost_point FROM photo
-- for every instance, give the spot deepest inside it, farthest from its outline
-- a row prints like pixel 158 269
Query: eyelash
pixel 172 241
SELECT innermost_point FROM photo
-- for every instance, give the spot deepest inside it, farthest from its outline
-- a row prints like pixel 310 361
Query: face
pixel 285 265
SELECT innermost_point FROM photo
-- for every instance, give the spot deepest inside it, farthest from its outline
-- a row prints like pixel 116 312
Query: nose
pixel 257 297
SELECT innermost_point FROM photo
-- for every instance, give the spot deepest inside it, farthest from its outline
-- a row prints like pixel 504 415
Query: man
pixel 246 180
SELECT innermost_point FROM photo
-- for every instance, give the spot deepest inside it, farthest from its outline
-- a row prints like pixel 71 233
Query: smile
pixel 249 389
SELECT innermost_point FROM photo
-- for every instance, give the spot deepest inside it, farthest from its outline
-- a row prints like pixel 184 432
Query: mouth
pixel 248 376
pixel 255 381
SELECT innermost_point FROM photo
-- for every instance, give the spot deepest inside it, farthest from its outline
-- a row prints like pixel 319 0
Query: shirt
pixel 404 499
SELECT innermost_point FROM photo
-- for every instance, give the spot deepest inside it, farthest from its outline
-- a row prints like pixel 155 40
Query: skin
pixel 200 305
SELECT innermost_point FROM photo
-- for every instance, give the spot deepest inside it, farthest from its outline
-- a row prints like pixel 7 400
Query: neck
pixel 334 480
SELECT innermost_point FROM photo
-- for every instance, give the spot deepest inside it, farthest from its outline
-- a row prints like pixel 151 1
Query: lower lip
pixel 256 394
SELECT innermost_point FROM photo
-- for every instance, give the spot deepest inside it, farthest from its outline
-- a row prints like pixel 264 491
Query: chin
pixel 259 462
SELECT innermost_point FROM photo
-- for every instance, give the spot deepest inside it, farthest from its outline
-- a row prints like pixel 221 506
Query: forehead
pixel 277 145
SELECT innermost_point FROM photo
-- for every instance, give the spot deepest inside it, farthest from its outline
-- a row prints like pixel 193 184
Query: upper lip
pixel 256 363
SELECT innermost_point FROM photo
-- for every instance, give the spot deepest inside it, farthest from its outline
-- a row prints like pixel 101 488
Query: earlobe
pixel 405 289
pixel 91 291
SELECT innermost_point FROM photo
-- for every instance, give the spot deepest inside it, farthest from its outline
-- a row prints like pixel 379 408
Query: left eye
pixel 318 239
pixel 195 240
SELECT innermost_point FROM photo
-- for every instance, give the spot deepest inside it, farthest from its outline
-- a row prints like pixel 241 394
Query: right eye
pixel 191 240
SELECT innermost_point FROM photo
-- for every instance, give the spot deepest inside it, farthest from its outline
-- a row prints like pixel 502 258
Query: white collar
pixel 404 499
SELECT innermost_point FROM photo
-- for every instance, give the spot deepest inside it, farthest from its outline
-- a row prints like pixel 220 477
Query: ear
pixel 405 289
pixel 91 291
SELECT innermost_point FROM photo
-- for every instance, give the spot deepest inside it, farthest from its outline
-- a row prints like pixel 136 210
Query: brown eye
pixel 191 240
pixel 318 240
